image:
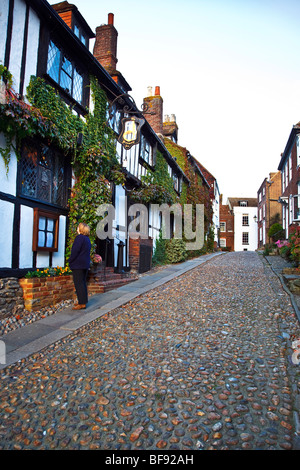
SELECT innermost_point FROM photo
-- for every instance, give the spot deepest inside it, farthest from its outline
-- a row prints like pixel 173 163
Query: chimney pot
pixel 157 91
pixel 149 90
pixel 173 118
pixel 110 18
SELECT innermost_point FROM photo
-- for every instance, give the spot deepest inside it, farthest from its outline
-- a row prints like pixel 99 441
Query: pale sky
pixel 228 69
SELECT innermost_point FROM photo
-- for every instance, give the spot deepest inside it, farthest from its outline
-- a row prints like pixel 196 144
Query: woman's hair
pixel 83 228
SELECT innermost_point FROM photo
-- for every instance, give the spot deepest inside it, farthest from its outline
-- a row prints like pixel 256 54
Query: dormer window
pixel 80 34
pixel 243 203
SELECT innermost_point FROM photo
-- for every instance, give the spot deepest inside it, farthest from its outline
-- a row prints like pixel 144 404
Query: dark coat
pixel 80 253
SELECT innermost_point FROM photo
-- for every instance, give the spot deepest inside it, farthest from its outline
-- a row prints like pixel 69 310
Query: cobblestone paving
pixel 202 362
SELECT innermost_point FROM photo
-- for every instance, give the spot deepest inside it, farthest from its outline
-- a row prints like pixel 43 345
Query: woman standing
pixel 79 263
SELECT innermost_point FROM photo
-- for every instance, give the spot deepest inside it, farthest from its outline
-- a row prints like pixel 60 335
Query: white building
pixel 245 227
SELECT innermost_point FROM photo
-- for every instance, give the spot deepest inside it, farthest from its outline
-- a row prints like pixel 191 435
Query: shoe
pixel 79 307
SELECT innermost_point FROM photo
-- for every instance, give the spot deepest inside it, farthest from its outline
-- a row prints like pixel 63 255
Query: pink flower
pixel 97 259
pixel 281 243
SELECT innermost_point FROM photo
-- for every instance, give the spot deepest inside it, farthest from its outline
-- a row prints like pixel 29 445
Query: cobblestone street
pixel 200 363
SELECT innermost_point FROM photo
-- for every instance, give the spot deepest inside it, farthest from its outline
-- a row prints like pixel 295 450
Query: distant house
pixel 290 181
pixel 269 209
pixel 226 232
pixel 238 230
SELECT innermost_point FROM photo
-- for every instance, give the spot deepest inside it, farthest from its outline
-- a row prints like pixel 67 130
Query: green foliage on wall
pixel 195 192
pixel 94 160
pixel 157 186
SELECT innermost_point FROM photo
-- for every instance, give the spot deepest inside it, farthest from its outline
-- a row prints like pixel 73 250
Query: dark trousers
pixel 80 283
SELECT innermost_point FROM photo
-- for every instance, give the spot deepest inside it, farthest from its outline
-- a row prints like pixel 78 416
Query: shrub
pixel 285 251
pixel 159 256
pixel 294 240
pixel 276 232
pixel 176 251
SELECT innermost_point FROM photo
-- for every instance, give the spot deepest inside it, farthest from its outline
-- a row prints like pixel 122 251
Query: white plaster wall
pixel 6 233
pixel 8 181
pixel 17 42
pixel 16 50
pixel 58 258
pixel 3 27
pixel 26 233
pixel 42 260
pixel 32 47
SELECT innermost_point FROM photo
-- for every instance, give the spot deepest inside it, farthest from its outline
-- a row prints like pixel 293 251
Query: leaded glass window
pixel 146 151
pixel 43 174
pixel 62 70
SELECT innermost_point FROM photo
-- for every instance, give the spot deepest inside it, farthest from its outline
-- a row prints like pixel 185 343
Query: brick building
pixel 290 177
pixel 226 233
pixel 268 208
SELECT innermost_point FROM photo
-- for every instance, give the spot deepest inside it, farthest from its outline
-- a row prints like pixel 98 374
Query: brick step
pixel 104 286
pixel 103 279
pixel 107 277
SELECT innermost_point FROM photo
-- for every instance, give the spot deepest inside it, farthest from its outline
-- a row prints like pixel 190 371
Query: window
pixel 222 226
pixel 296 206
pixel 298 149
pixel 176 182
pixel 114 119
pixel 245 238
pixel 286 172
pixel 45 231
pixel 222 242
pixel 243 203
pixel 80 34
pixel 245 219
pixel 43 174
pixel 146 151
pixel 64 73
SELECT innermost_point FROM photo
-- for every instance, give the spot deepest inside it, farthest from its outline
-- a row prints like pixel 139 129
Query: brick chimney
pixel 105 47
pixel 170 128
pixel 155 104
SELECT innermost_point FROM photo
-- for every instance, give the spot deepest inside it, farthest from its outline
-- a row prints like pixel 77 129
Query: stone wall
pixel 11 297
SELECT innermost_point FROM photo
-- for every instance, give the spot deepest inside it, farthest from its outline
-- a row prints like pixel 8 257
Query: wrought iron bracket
pixel 128 108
